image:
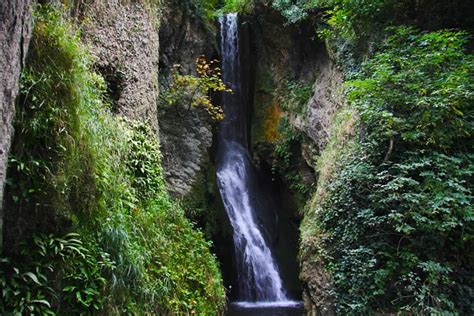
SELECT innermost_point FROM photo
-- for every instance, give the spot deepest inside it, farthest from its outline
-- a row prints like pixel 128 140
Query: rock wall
pixel 15 31
pixel 316 120
pixel 185 134
pixel 123 36
pixel 283 52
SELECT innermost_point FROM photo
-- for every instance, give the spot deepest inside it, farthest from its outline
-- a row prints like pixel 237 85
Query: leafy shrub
pixel 209 9
pixel 144 161
pixel 31 286
pixel 396 221
pixel 295 11
pixel 421 92
pixel 237 5
pixel 199 8
pixel 193 91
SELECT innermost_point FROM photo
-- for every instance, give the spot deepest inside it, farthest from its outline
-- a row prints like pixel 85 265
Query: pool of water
pixel 287 308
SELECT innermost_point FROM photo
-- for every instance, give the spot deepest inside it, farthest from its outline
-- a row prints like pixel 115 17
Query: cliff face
pixel 327 97
pixel 316 123
pixel 290 56
pixel 185 134
pixel 15 31
pixel 123 37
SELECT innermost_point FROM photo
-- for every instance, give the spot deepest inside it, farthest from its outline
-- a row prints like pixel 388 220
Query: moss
pixel 266 115
pixel 271 122
pixel 342 135
pixel 265 110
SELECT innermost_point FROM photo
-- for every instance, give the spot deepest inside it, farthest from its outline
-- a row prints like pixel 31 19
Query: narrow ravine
pixel 259 279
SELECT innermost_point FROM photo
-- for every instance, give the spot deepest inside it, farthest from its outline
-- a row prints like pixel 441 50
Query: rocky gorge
pixel 314 158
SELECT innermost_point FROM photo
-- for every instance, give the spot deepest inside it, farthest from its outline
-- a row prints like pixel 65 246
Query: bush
pixel 193 91
pixel 419 88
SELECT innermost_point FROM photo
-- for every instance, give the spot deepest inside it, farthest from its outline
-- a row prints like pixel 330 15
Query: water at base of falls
pixel 285 308
pixel 261 289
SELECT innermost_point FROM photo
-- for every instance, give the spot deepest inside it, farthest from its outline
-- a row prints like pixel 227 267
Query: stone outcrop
pixel 123 36
pixel 292 55
pixel 315 284
pixel 315 122
pixel 327 98
pixel 185 134
pixel 15 31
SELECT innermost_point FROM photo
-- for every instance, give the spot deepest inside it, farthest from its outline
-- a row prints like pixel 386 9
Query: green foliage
pixel 31 286
pixel 294 95
pixel 203 10
pixel 193 91
pixel 347 18
pixel 396 221
pixel 203 203
pixel 144 161
pixel 210 9
pixel 400 245
pixel 189 281
pixel 286 147
pixel 295 10
pixel 421 92
pixel 76 168
pixel 237 6
pixel 364 21
pixel 46 164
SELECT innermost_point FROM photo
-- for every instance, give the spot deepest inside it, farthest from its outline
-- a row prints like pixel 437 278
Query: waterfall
pixel 258 275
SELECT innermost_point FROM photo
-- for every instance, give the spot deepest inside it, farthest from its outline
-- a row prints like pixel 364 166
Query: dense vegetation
pixel 396 220
pixel 90 228
pixel 210 9
pixel 366 19
pixel 392 215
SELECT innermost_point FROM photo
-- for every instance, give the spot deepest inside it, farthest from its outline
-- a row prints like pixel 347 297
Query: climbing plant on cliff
pixel 193 91
pixel 396 221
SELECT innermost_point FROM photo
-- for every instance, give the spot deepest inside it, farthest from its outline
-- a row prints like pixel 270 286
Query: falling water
pixel 258 275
